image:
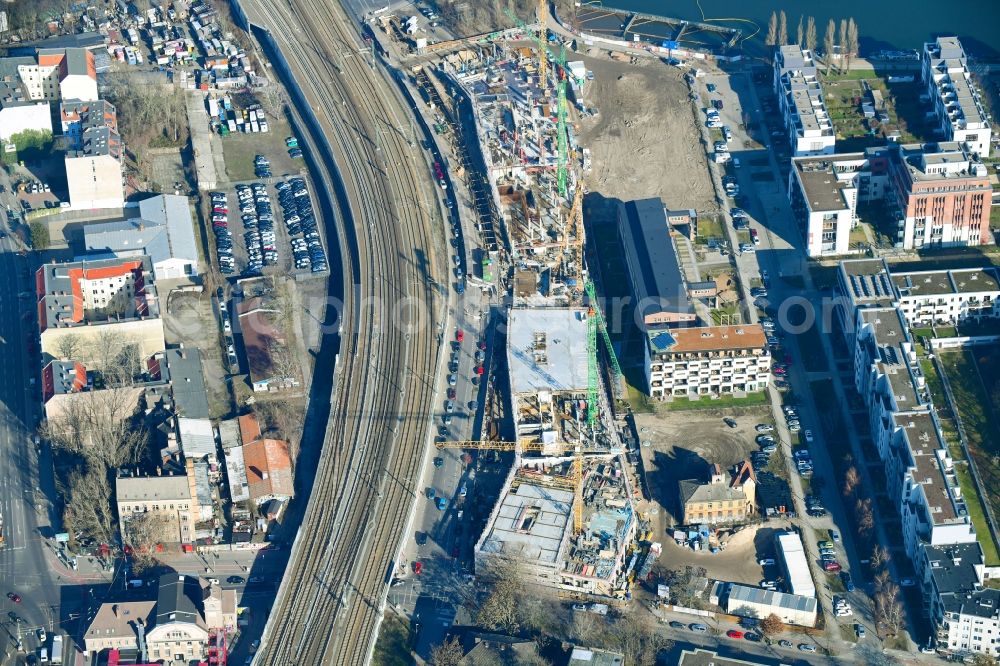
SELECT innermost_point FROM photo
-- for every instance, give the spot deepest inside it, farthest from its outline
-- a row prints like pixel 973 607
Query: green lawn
pixel 709 227
pixel 852 75
pixel 977 514
pixel 979 418
pixel 725 402
pixel 393 645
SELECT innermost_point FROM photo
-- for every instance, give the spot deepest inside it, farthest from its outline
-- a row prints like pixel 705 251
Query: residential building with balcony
pixel 56 74
pixel 956 99
pixel 825 191
pixel 170 500
pixel 706 361
pixel 940 194
pixel 800 97
pixel 964 613
pixel 948 296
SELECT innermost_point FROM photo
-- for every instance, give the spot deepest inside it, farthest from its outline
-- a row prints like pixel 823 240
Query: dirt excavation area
pixel 644 141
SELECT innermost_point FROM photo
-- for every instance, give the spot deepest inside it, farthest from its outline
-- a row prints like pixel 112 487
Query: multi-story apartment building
pixel 77 117
pixel 956 99
pixel 172 499
pixel 88 299
pixel 718 500
pixel 800 96
pixel 825 191
pixel 941 195
pixel 18 112
pixel 938 193
pixel 54 74
pixel 923 297
pixel 706 360
pixel 94 170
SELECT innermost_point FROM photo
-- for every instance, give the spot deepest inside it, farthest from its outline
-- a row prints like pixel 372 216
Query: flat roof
pixel 936 283
pixel 530 524
pixel 953 566
pixel 821 189
pixel 925 444
pixel 868 281
pixel 759 595
pixel 547 349
pixel 707 338
pixel 796 566
pixel 703 657
pixel 197 438
pixel 657 281
pixel 581 656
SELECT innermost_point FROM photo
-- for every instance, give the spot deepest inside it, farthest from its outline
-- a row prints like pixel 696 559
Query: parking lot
pixel 257 243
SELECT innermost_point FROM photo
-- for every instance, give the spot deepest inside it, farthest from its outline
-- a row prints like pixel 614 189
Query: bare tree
pixel 88 503
pixel 272 99
pixel 771 625
pixel 851 481
pixel 68 347
pixel 842 42
pixel 142 532
pixel 105 425
pixel 448 653
pixel 782 28
pixel 499 610
pixel 984 660
pixel 852 41
pixel 772 30
pixel 828 44
pixel 799 33
pixel 638 642
pixel 811 35
pixel 283 363
pixel 872 655
pixel 879 557
pixel 863 511
pixel 888 609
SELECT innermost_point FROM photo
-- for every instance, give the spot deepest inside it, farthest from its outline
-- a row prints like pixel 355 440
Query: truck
pixel 57 649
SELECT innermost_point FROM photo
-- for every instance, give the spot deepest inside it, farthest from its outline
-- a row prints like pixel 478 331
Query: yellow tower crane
pixel 543 60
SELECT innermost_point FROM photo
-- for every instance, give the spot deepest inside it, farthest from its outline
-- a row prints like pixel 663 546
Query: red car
pixel 418 567
pixel 16 598
pixel 733 633
pixel 460 335
pixel 451 393
pixel 480 370
pixel 831 566
pixel 482 345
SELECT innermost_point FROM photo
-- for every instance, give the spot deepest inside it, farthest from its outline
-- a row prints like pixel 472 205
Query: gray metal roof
pixel 758 595
pixel 174 211
pixel 179 599
pixel 652 258
pixel 163 229
pixel 182 368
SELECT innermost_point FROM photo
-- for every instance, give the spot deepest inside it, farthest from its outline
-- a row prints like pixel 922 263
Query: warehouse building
pixel 756 602
pixel 794 564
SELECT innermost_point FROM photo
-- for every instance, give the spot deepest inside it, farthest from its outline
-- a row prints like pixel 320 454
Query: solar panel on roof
pixel 663 340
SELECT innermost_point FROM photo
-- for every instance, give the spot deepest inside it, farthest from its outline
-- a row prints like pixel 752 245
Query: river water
pixel 882 24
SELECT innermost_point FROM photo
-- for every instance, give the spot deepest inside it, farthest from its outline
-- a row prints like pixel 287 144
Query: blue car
pixel 442 503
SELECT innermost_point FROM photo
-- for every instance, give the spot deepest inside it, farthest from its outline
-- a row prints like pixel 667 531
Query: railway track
pixel 329 605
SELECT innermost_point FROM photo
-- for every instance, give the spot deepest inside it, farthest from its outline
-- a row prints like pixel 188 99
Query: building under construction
pixel 565 516
pixel 519 99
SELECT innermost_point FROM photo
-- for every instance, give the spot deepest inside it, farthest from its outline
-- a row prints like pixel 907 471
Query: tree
pixel 828 44
pixel 984 660
pixel 638 642
pixel 842 42
pixel 851 481
pixel 499 610
pixel 782 28
pixel 799 33
pixel 448 653
pixel 68 347
pixel 39 235
pixel 772 30
pixel 879 557
pixel 142 532
pixel 864 514
pixel 811 35
pixel 888 609
pixel 852 41
pixel 771 626
pixel 106 426
pixel 88 503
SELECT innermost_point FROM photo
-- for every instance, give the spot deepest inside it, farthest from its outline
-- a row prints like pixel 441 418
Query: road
pixel 329 605
pixel 24 566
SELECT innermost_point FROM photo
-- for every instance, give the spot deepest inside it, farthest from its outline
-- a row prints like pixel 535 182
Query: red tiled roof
pixel 249 428
pixel 269 468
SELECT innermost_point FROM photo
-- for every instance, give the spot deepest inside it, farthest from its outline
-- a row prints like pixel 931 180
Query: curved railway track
pixel 330 603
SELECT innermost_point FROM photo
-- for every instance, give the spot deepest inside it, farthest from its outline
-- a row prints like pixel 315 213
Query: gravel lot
pixel 683 443
pixel 644 142
pixel 190 319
